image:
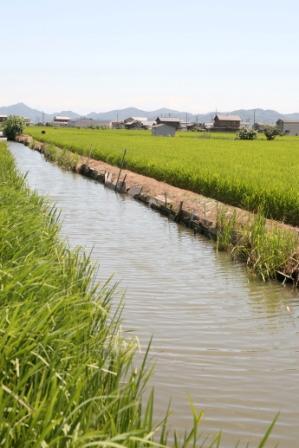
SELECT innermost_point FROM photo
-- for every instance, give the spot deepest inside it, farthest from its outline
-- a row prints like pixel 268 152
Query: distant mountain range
pixel 261 115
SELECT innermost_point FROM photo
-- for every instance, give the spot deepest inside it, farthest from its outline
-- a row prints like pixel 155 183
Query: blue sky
pixel 194 55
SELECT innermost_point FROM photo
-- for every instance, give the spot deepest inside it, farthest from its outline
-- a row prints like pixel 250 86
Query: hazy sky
pixel 189 55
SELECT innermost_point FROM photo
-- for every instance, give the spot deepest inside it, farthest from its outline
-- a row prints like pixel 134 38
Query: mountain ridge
pixel 247 115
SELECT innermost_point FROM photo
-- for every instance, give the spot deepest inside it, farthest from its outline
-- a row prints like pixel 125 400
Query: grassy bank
pixel 248 174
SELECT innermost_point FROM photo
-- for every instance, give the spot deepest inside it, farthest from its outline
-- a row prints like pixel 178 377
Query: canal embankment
pixel 269 248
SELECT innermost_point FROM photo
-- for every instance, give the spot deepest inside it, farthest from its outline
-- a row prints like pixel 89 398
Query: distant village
pixel 167 126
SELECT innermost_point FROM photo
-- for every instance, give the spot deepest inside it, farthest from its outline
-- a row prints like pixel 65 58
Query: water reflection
pixel 228 341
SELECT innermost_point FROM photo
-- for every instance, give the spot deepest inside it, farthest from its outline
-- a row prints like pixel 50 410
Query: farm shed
pixel 226 122
pixel 288 127
pixel 173 122
pixel 3 118
pixel 163 130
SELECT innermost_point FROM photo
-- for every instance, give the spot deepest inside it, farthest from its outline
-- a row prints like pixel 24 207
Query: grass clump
pixel 266 251
pixel 62 157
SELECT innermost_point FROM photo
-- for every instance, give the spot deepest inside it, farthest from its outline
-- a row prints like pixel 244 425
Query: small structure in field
pixel 3 118
pixel 60 120
pixel 169 121
pixel 226 123
pixel 289 127
pixel 163 130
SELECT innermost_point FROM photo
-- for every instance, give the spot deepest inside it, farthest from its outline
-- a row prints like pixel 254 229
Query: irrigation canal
pixel 230 343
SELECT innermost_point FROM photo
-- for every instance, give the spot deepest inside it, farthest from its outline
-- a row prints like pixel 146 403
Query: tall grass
pixel 62 157
pixel 266 251
pixel 240 173
pixel 67 374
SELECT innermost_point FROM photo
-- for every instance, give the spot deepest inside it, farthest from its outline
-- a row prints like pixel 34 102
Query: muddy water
pixel 230 343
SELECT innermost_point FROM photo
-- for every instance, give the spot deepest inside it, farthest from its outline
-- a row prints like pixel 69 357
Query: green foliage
pixel 62 157
pixel 247 134
pixel 226 229
pixel 265 251
pixel 271 132
pixel 13 126
pixel 217 166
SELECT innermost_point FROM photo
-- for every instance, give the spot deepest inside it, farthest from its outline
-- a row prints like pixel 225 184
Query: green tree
pixel 271 132
pixel 13 126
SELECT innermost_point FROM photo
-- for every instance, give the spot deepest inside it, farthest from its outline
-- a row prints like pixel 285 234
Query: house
pixel 138 123
pixel 133 122
pixel 226 123
pixel 3 118
pixel 60 120
pixel 173 122
pixel 164 130
pixel 289 127
pixel 117 124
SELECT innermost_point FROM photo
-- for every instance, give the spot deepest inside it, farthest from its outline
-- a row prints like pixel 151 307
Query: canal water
pixel 228 343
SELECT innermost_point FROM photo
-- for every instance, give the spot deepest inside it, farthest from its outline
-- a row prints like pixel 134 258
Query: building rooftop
pixel 169 119
pixel 61 118
pixel 223 117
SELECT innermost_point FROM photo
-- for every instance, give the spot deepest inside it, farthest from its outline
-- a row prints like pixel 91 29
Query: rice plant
pixel 240 173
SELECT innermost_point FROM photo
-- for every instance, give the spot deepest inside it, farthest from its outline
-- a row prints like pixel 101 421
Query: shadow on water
pixel 228 341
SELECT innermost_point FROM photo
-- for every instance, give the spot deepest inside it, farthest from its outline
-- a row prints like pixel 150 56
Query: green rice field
pixel 253 175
